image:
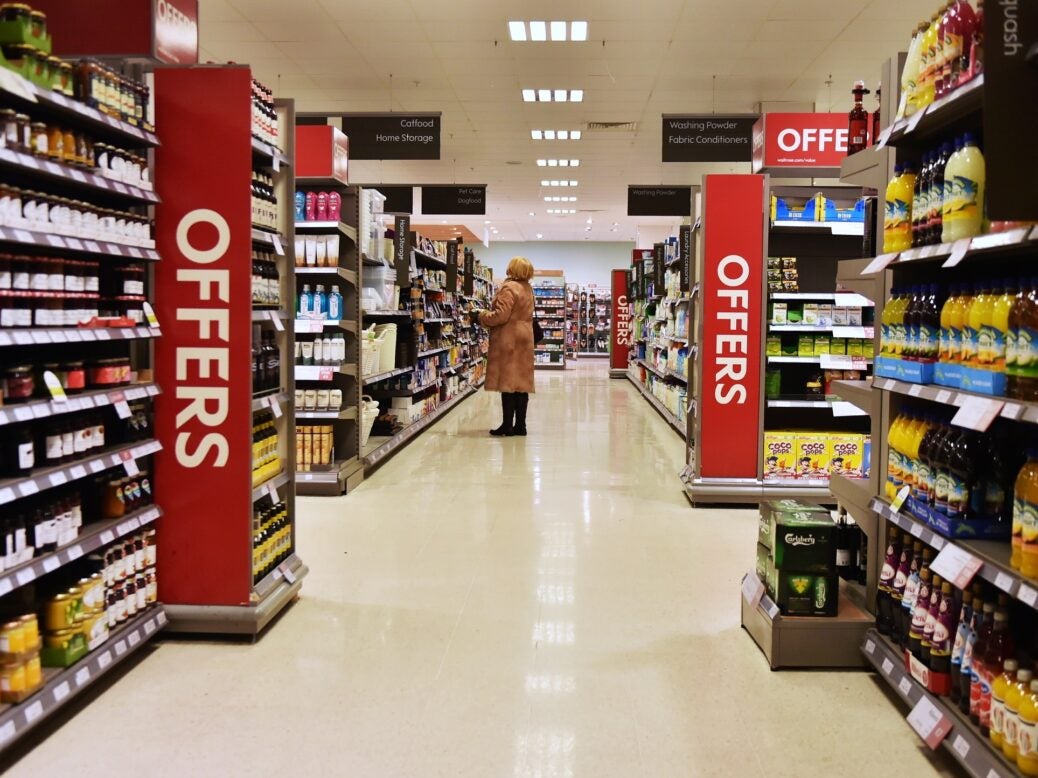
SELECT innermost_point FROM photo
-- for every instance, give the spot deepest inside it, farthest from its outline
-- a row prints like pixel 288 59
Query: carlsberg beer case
pixel 799 535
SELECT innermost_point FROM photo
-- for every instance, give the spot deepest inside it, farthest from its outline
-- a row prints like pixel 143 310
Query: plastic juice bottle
pixel 971 335
pixel 948 199
pixel 976 66
pixel 1000 325
pixel 911 325
pixel 929 62
pixel 945 338
pixel 963 465
pixel 897 222
pixel 899 329
pixel 913 437
pixel 961 633
pixel 967 171
pixel 884 618
pixel 983 613
pixel 1019 688
pixel 941 58
pixel 938 191
pixel 999 690
pixel 957 43
pixel 1000 648
pixel 910 73
pixel 1025 505
pixel 888 211
pixel 1026 384
pixel 986 345
pixel 1019 301
pixel 929 325
pixel 1027 732
pixel 920 203
pixel 885 349
pixel 911 590
pixel 926 644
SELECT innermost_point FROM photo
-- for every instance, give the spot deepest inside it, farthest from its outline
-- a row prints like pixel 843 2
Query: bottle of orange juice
pixel 947 336
pixel 1015 694
pixel 1025 512
pixel 974 314
pixel 987 345
pixel 999 690
pixel 1027 733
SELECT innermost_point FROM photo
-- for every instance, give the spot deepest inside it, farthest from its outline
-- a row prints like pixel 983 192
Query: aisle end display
pixel 550 311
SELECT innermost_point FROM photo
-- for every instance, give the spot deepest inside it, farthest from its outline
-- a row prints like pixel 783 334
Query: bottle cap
pixel 1024 675
pixel 1010 665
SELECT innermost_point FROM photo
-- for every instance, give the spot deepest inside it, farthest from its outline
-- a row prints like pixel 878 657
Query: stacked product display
pixel 213 551
pixel 549 294
pixel 572 321
pixel 594 310
pixel 77 428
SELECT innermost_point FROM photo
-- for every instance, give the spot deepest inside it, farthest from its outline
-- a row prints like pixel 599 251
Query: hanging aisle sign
pixel 685 257
pixel 659 200
pixel 467 200
pixel 707 138
pixel 452 266
pixel 470 270
pixel 730 350
pixel 813 142
pixel 402 249
pixel 622 329
pixel 399 199
pixel 658 279
pixel 393 135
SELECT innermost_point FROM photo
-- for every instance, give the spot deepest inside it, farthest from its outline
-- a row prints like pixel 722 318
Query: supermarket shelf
pixel 269 238
pixel 69 177
pixel 28 95
pixel 432 351
pixel 444 320
pixel 977 754
pixel 936 117
pixel 331 482
pixel 374 379
pixel 345 229
pixel 751 490
pixel 800 404
pixel 264 402
pixel 805 360
pixel 269 315
pixel 994 554
pixel 341 272
pixel 385 314
pixel 323 372
pixel 429 259
pixel 1021 239
pixel 62 685
pixel 670 373
pixel 271 483
pixel 82 246
pixel 266 585
pixel 345 413
pixel 853 491
pixel 669 417
pixel 802 296
pixel 797 328
pixel 314 326
pixel 92 537
pixel 269 154
pixel 43 479
pixel 37 337
pixel 1019 410
pixel 832 228
pixel 375 454
pixel 858 393
pixel 40 409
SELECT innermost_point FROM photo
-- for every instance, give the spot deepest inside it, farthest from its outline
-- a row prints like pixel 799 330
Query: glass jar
pixel 67 79
pixel 15 12
pixel 55 143
pixel 5 272
pixel 38 20
pixel 74 377
pixel 9 127
pixel 24 132
pixel 19 384
pixel 38 140
pixel 70 147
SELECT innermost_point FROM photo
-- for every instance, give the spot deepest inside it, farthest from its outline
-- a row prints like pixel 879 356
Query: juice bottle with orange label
pixel 1027 732
pixel 1000 325
pixel 999 691
pixel 1015 694
pixel 1025 507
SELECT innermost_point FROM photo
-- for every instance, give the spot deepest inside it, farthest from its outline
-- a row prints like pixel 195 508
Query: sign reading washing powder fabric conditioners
pixel 730 287
pixel 393 135
pixel 707 138
pixel 468 200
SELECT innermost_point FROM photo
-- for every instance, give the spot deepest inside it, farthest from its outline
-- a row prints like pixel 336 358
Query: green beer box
pixel 763 561
pixel 799 536
pixel 805 594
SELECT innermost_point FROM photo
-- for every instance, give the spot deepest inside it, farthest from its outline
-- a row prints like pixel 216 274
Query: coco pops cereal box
pixel 847 455
pixel 812 455
pixel 779 453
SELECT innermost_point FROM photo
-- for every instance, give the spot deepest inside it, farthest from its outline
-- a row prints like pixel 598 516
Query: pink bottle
pixel 322 206
pixel 311 206
pixel 334 206
pixel 958 41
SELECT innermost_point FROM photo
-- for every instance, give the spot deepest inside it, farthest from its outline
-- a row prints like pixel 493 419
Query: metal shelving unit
pixel 549 296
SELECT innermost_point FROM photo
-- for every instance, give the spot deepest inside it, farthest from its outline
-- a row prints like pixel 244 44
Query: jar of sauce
pixel 38 140
pixel 19 384
pixel 56 143
pixel 73 376
pixel 8 129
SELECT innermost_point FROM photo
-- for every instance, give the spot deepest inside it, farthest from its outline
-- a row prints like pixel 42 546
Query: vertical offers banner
pixel 622 330
pixel 204 359
pixel 733 260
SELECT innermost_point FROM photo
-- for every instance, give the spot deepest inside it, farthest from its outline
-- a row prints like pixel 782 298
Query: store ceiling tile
pixel 217 11
pixel 813 9
pixel 272 10
pixel 364 11
pixel 785 31
pixel 236 31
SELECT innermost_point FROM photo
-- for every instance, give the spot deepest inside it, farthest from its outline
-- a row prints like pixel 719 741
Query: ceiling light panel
pixel 558 31
pixel 553 95
pixel 555 134
pixel 557 182
pixel 559 163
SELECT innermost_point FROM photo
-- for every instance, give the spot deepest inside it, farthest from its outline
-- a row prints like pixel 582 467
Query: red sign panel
pixel 322 151
pixel 798 140
pixel 731 288
pixel 203 362
pixel 622 331
pixel 161 30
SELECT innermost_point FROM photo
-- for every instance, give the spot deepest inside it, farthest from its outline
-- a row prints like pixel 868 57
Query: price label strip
pixel 929 723
pixel 752 589
pixel 957 565
pixel 976 413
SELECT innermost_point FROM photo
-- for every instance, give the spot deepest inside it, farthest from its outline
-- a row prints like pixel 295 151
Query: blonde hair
pixel 520 268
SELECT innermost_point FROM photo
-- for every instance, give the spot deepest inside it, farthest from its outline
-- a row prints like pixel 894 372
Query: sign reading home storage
pixel 468 200
pixel 659 200
pixel 393 135
pixel 402 247
pixel 707 138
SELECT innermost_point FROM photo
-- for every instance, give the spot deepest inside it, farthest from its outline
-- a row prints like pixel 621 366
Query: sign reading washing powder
pixel 707 138
pixel 393 135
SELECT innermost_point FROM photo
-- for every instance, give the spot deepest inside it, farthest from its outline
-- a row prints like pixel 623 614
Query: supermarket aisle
pixel 547 606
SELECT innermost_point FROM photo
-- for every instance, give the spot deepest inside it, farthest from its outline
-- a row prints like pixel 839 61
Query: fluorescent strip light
pixel 544 95
pixel 517 30
pixel 538 31
pixel 574 163
pixel 553 163
pixel 563 163
pixel 561 96
pixel 542 162
pixel 572 183
pixel 558 31
pixel 563 134
pixel 575 135
pixel 576 95
pixel 549 134
pixel 535 134
pixel 529 95
pixel 578 31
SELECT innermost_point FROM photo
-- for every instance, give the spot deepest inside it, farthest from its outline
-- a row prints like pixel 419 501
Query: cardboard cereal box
pixel 847 455
pixel 812 455
pixel 779 452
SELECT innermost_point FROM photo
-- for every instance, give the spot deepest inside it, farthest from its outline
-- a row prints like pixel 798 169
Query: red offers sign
pixel 623 324
pixel 731 288
pixel 799 140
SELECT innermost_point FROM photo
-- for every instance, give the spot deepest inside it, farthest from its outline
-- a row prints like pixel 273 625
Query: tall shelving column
pixel 78 479
pixel 223 228
pixel 549 295
pixel 327 254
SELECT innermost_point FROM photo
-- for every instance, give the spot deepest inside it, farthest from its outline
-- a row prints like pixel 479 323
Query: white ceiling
pixel 643 58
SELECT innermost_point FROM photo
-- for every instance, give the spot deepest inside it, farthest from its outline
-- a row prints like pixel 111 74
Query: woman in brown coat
pixel 510 362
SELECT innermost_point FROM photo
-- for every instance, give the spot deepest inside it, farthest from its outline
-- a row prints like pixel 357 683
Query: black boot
pixel 521 402
pixel 507 412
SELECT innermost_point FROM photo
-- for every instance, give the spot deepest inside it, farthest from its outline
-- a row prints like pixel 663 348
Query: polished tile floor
pixel 548 606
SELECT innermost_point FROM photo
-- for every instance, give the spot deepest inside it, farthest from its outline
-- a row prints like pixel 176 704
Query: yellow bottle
pixel 911 73
pixel 1025 509
pixel 950 337
pixel 999 690
pixel 971 333
pixel 1027 733
pixel 1000 325
pixel 894 475
pixel 1015 694
pixel 898 329
pixel 897 218
pixel 965 169
pixel 927 83
pixel 986 335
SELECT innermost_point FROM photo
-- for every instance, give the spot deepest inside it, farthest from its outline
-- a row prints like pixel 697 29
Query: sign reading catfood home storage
pixel 659 200
pixel 393 135
pixel 469 200
pixel 707 138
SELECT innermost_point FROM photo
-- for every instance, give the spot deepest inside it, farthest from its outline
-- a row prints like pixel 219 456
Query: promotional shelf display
pixel 594 314
pixel 662 352
pixel 227 550
pixel 550 311
pixel 79 580
pixel 572 320
pixel 952 407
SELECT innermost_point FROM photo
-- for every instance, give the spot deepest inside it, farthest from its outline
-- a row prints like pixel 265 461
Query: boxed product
pixel 806 346
pixel 821 345
pixel 854 316
pixel 854 347
pixel 779 450
pixel 811 314
pixel 773 346
pixel 806 594
pixel 840 316
pixel 803 541
pixel 825 315
pixel 812 455
pixel 763 557
pixel 771 509
pixel 866 456
pixel 847 455
pixel 778 313
pixel 838 346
